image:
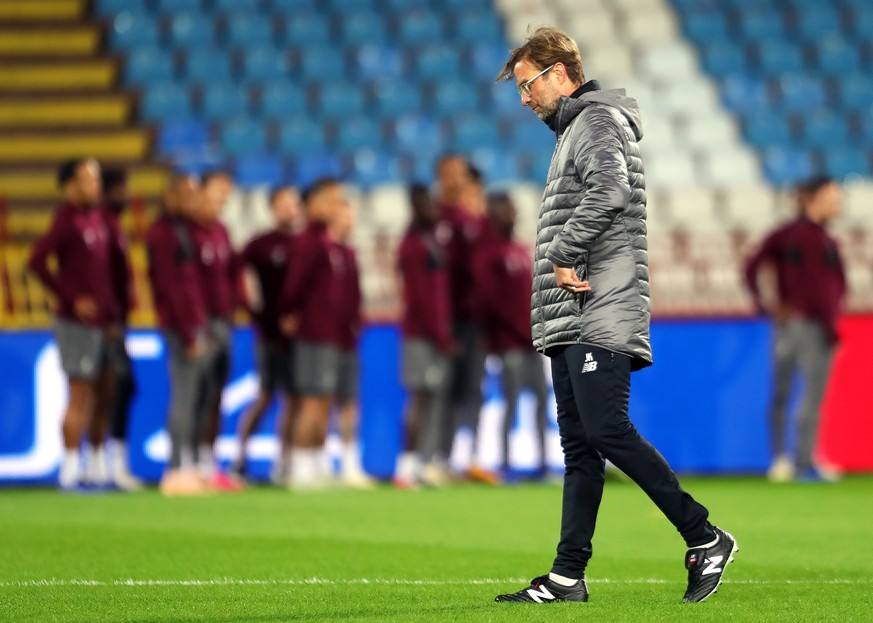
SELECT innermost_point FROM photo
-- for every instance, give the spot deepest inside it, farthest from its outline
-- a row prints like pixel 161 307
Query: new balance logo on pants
pixel 590 365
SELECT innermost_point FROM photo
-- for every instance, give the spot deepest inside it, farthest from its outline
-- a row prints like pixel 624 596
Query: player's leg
pixel 123 392
pixel 785 349
pixel 510 383
pixel 80 404
pixel 97 465
pixel 535 380
pixel 423 375
pixel 353 473
pixel 815 362
pixel 252 416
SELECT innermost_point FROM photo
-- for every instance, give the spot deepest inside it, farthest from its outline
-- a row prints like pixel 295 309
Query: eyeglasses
pixel 524 87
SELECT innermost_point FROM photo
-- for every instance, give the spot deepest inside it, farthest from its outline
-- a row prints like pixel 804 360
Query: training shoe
pixel 706 566
pixel 542 590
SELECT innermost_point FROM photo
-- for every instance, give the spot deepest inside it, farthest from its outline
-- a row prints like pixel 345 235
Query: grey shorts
pixel 83 349
pixel 424 366
pixel 275 367
pixel 316 368
pixel 347 381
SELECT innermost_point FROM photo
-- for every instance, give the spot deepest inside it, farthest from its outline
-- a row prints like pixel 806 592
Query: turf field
pixel 806 554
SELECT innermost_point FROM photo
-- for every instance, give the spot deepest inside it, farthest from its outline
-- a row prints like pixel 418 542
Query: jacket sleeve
pixel 163 270
pixel 122 273
pixel 303 267
pixel 45 247
pixel 601 161
pixel 356 298
pixel 766 254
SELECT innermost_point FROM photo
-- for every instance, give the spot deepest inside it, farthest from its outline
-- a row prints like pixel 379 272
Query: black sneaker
pixel 706 566
pixel 542 590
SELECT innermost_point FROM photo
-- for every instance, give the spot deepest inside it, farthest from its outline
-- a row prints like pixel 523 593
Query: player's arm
pixel 767 254
pixel 165 256
pixel 49 245
pixel 304 265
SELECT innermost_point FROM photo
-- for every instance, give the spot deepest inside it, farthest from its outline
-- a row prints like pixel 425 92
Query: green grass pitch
pixel 806 554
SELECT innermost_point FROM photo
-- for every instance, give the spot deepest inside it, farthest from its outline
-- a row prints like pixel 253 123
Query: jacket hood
pixel 570 107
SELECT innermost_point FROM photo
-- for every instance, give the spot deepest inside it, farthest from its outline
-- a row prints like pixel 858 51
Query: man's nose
pixel 525 99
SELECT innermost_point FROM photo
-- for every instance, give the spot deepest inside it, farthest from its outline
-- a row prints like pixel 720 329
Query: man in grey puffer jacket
pixel 590 313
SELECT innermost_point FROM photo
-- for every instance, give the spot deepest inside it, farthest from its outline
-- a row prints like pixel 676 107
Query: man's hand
pixel 289 325
pixel 85 308
pixel 567 280
pixel 196 349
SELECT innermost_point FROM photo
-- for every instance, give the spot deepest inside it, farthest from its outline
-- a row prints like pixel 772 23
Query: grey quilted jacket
pixel 593 219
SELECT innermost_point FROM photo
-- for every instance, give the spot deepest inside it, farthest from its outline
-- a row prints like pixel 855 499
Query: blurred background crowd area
pixel 741 99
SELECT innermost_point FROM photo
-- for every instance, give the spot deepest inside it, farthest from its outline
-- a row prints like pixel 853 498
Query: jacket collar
pixel 569 107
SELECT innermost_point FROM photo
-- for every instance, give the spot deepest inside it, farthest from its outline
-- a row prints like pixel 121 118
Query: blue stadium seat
pixel 377 61
pixel 370 167
pixel 323 64
pixel 131 30
pixel 244 30
pixel 292 7
pixel 342 7
pixel 421 166
pixel 149 65
pixel 786 166
pixel 236 6
pixel 846 160
pixel 531 135
pixel 300 135
pixel 191 30
pixel 415 132
pixel 497 165
pixel 305 29
pixel 760 23
pixel 264 63
pixel 477 27
pixel 398 6
pixel 816 22
pixel 856 92
pixel 800 93
pixel 392 98
pixel 205 65
pixel 313 165
pixel 779 56
pixel 181 135
pixel 744 93
pixel 258 170
pixel 485 60
pixel 824 129
pixel 362 27
pixel 503 99
pixel 452 97
pixel 706 26
pixel 338 100
pixel 862 22
pixel 437 62
pixel 837 57
pixel 723 57
pixel 110 8
pixel 356 133
pixel 764 129
pixel 243 137
pixel 464 5
pixel 224 101
pixel 471 132
pixel 169 7
pixel 418 27
pixel 161 102
pixel 279 100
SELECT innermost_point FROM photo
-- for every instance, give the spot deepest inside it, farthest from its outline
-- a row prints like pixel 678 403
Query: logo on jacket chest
pixel 209 254
pixel 278 256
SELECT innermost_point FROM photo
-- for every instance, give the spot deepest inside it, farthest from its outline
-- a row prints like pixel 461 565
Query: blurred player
pixel 218 266
pixel 427 339
pixel 349 330
pixel 310 310
pixel 461 222
pixel 124 385
pixel 503 276
pixel 181 309
pixel 265 267
pixel 80 242
pixel 810 289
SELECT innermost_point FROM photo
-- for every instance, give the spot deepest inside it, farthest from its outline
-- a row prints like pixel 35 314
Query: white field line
pixel 52 582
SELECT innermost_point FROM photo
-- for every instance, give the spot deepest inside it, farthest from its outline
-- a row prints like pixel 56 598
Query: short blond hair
pixel 545 46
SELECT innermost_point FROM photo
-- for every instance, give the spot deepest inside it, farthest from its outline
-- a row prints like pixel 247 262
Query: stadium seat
pixel 148 65
pixel 314 165
pixel 264 63
pixel 305 29
pixel 786 166
pixel 290 7
pixel 609 60
pixel 485 60
pixel 470 132
pixel 723 57
pixel 392 98
pixel 162 102
pixel 800 93
pixel 845 160
pixel 464 5
pixel 592 28
pixel 181 135
pixel 356 133
pixel 343 7
pixel 855 92
pixel 258 170
pixel 413 132
pixel 300 135
pixel 437 62
pixel 418 27
pixel 237 6
pixel 744 93
pixel 824 129
pixel 705 26
pixel 817 22
pixel 836 56
pixel 245 29
pixel 338 100
pixel 361 27
pixel 170 7
pixel 453 97
pixel 376 61
pixel 476 27
pixel 398 6
pixel 243 137
pixel 709 134
pixel 779 56
pixel 531 134
pixel 502 99
pixel 727 168
pixel 191 30
pixel 130 31
pixel 110 8
pixel 764 130
pixel 322 64
pixel 862 22
pixel 205 65
pixel 668 61
pixel 761 23
pixel 371 167
pixel 223 101
pixel 497 165
pixel 280 100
